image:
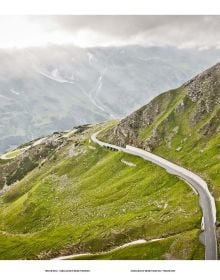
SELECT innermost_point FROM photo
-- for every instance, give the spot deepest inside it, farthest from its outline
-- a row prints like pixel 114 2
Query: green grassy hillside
pixel 83 198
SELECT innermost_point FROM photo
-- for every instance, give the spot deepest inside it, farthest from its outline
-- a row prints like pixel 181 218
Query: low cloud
pixel 87 31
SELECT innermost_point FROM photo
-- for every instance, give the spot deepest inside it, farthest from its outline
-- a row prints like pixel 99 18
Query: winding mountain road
pixel 206 200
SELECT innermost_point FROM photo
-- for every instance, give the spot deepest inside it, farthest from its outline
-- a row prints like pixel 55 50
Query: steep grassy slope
pixel 182 125
pixel 83 198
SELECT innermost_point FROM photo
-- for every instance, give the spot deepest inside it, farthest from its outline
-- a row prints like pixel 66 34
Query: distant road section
pixel 206 200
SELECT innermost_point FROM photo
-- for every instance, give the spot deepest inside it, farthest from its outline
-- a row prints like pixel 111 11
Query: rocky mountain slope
pixel 182 125
pixel 195 106
pixel 48 89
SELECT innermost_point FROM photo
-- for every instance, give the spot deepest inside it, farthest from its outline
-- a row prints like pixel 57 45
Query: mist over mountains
pixel 55 88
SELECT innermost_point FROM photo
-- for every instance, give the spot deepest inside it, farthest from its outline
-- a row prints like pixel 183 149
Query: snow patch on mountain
pixel 54 75
pixel 14 91
pixel 91 57
pixel 99 84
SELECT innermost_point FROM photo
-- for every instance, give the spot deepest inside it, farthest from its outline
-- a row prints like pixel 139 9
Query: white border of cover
pixel 108 7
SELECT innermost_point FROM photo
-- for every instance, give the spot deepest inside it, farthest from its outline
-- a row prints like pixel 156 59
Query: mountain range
pixel 57 87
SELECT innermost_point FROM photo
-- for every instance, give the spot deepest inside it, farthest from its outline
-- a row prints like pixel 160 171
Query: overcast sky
pixel 88 31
